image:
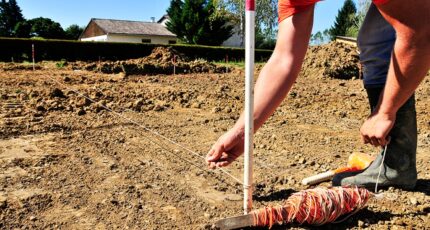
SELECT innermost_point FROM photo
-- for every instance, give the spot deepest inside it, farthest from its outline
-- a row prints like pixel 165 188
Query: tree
pixel 73 32
pixel 198 22
pixel 345 19
pixel 264 42
pixel 320 37
pixel 22 29
pixel 326 35
pixel 176 22
pixel 46 28
pixel 265 21
pixel 10 16
pixel 317 38
pixel 358 19
pixel 216 28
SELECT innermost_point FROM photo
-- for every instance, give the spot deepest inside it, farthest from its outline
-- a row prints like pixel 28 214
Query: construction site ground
pixel 66 161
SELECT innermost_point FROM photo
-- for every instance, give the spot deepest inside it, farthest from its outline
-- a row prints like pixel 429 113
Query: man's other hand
pixel 376 129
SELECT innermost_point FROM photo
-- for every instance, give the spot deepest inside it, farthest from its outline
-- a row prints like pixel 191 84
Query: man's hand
pixel 228 147
pixel 376 129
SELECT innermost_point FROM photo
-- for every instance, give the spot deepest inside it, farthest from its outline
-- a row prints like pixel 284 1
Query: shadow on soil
pixel 423 185
pixel 275 196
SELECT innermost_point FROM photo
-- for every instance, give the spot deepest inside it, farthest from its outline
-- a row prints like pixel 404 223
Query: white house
pixel 110 30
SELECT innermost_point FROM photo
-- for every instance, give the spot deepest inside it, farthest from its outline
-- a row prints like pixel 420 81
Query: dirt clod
pixel 57 93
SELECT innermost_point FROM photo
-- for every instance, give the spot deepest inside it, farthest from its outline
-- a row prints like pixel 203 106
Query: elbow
pixel 415 39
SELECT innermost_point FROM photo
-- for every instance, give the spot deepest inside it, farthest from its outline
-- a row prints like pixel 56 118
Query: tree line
pixel 204 22
pixel 13 24
pixel 211 22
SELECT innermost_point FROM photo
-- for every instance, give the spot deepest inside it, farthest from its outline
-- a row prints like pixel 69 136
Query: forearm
pixel 408 68
pixel 410 59
pixel 282 69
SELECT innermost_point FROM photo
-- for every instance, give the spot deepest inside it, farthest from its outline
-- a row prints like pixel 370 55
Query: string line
pixel 380 168
pixel 148 130
pixel 256 160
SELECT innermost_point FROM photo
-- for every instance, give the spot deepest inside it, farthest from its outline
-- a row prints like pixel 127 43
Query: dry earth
pixel 67 162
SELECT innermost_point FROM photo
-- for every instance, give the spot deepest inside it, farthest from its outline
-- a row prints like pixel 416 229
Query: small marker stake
pixel 226 61
pixel 32 55
pixel 174 64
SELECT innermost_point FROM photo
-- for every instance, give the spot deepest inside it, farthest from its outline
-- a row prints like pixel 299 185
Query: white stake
pixel 249 102
pixel 32 55
pixel 174 64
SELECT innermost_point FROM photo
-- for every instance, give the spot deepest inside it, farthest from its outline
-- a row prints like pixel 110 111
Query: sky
pixel 68 12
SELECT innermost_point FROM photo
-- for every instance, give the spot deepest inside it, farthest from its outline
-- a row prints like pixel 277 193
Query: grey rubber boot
pixel 399 169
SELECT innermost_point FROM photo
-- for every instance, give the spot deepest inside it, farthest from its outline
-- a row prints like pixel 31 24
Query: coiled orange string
pixel 316 206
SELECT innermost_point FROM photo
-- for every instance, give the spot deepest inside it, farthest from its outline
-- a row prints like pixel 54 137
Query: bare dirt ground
pixel 67 162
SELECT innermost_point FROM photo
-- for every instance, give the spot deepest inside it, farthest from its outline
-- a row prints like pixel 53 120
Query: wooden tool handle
pixel 318 178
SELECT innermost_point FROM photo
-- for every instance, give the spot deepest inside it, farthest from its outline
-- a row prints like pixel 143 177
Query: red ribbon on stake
pixel 250 5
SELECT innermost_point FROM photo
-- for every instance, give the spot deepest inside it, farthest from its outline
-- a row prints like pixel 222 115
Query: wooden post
pixel 249 102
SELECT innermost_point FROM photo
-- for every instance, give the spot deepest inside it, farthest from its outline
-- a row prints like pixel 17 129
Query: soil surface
pixel 84 149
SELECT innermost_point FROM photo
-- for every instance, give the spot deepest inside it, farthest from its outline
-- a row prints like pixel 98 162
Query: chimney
pixel 153 19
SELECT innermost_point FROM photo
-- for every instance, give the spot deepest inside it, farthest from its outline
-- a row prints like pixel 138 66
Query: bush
pixel 54 50
pixel 61 64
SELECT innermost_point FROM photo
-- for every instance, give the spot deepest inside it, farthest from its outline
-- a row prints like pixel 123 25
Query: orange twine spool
pixel 316 206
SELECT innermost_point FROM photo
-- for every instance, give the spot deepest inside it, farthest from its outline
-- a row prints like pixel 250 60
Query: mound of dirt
pixel 162 60
pixel 333 60
pixel 165 55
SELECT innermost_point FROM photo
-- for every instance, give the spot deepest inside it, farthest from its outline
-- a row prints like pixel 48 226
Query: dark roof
pixel 163 18
pixel 112 26
pixel 351 39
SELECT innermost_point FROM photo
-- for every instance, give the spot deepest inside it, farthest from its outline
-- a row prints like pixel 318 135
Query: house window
pixel 146 40
pixel 172 42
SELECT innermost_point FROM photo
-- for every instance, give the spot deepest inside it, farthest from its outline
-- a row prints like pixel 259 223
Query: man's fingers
pixel 382 141
pixel 365 139
pixel 214 154
pixel 212 165
pixel 209 155
pixel 222 163
pixel 218 164
pixel 374 141
pixel 217 158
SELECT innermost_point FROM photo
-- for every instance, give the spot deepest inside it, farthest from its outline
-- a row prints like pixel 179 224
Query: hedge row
pixel 17 49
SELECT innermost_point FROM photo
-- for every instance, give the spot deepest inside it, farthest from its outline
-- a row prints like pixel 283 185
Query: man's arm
pixel 410 62
pixel 273 84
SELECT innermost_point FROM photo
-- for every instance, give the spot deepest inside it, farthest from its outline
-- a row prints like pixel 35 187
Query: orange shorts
pixel 286 8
